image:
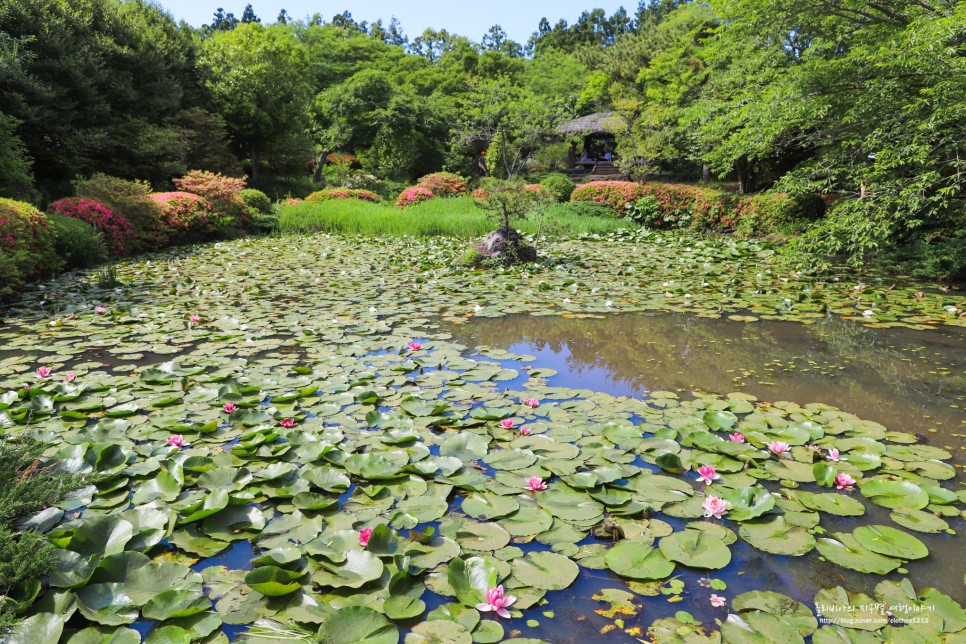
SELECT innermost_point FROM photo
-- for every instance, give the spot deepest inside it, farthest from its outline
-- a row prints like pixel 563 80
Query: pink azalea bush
pixel 27 248
pixel 342 193
pixel 116 230
pixel 413 195
pixel 480 193
pixel 443 184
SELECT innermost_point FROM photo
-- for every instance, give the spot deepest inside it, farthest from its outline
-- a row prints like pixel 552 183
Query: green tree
pixel 16 182
pixel 509 120
pixel 863 99
pixel 95 85
pixel 395 132
pixel 256 79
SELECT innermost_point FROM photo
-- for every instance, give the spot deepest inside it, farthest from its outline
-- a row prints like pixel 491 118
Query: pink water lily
pixel 813 448
pixel 737 437
pixel 536 483
pixel 496 601
pixel 717 601
pixel 229 407
pixel 43 372
pixel 71 377
pixel 99 309
pixel 415 346
pixel 843 481
pixel 194 318
pixel 778 447
pixel 287 422
pixel 833 455
pixel 525 431
pixel 364 536
pixel 707 474
pixel 531 402
pixel 715 507
pixel 177 441
pixel 506 423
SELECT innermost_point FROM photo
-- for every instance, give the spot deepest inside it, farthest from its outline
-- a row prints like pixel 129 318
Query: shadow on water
pixel 906 380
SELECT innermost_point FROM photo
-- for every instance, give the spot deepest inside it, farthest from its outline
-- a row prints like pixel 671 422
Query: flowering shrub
pixel 537 188
pixel 113 227
pixel 223 193
pixel 210 185
pixel 409 196
pixel 292 201
pixel 342 157
pixel 678 206
pixel 615 194
pixel 683 205
pixel 480 193
pixel 183 214
pixel 127 199
pixel 26 245
pixel 443 184
pixel 342 193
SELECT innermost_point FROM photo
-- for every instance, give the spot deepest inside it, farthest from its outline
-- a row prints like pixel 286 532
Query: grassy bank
pixel 436 217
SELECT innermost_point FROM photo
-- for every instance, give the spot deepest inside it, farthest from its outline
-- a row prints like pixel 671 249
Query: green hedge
pixel 76 242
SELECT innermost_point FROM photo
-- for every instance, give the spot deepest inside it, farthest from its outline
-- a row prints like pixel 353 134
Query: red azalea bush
pixel 413 195
pixel 480 193
pixel 292 201
pixel 536 187
pixel 183 214
pixel 342 193
pixel 615 194
pixel 113 227
pixel 694 206
pixel 26 245
pixel 443 184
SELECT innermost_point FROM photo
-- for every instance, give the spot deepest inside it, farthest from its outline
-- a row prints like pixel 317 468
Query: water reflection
pixel 907 380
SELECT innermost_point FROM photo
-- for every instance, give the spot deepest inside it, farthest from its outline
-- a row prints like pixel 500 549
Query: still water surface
pixel 907 380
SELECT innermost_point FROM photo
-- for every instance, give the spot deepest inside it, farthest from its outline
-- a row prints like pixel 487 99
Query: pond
pixel 902 379
pixel 326 435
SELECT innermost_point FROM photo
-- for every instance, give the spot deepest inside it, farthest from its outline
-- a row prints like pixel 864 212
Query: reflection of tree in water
pixel 885 377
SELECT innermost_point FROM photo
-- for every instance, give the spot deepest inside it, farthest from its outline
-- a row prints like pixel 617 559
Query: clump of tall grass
pixel 436 217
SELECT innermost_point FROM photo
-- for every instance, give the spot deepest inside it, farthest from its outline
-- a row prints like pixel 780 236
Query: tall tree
pixel 256 79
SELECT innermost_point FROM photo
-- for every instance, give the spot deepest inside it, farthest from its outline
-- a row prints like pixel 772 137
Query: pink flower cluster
pixel 113 227
pixel 410 196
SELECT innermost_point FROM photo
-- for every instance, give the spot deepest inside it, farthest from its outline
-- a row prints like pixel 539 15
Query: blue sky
pixel 518 18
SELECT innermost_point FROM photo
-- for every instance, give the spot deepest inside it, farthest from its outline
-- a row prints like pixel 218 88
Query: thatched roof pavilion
pixel 598 123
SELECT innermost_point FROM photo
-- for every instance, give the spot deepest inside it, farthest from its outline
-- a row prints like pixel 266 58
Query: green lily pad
pixel 638 560
pixel 890 542
pixel 696 549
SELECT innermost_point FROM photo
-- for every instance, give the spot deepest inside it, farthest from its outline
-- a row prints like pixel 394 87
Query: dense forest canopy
pixel 858 100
